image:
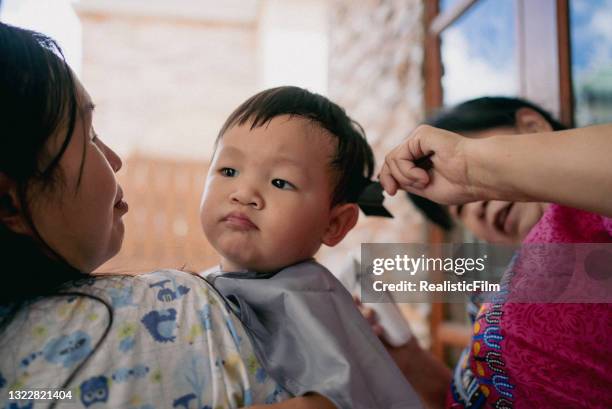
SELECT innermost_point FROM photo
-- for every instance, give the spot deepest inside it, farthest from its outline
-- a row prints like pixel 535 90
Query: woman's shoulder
pixel 158 286
pixel 563 224
pixel 88 298
pixel 96 301
pixel 103 280
pixel 135 333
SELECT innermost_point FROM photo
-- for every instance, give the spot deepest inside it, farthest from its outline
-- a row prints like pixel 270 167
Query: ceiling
pixel 235 11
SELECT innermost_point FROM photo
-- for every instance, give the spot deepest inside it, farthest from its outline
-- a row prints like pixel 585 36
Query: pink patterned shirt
pixel 541 355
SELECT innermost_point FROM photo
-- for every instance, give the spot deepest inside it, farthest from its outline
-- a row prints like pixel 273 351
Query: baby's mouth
pixel 239 221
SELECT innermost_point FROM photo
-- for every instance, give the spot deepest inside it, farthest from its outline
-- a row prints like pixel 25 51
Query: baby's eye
pixel 283 184
pixel 228 172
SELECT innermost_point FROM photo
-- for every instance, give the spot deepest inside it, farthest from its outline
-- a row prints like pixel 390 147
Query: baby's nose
pixel 247 196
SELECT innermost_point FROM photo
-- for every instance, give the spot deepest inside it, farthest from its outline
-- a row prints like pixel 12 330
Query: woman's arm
pixel 313 401
pixel 568 167
pixel 429 377
pixel 572 167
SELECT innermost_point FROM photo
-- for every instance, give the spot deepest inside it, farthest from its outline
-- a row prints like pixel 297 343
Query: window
pixel 479 53
pixel 591 53
pixel 557 53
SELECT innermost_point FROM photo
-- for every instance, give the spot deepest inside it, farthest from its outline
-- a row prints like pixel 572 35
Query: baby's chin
pixel 239 259
pixel 239 256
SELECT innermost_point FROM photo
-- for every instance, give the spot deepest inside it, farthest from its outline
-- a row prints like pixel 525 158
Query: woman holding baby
pixel 166 339
pixel 169 338
pixel 163 339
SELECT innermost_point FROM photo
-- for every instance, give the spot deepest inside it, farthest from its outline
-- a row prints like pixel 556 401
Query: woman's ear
pixel 531 121
pixel 341 220
pixel 10 209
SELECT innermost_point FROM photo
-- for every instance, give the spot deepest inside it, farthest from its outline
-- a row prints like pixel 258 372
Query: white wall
pixel 293 44
pixel 56 19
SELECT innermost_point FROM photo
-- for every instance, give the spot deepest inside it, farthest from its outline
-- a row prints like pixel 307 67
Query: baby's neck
pixel 228 266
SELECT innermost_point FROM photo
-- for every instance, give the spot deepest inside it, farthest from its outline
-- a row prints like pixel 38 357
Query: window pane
pixel 447 4
pixel 591 39
pixel 479 52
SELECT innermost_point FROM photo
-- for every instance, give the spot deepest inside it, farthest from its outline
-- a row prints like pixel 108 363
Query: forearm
pixel 429 377
pixel 569 167
pixel 313 401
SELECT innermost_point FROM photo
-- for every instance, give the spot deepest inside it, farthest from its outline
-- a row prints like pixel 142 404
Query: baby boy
pixel 288 171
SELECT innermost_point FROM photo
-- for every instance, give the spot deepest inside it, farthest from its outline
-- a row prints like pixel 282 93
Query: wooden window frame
pixel 557 96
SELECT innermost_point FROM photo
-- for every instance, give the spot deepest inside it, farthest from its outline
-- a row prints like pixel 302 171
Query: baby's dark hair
pixel 353 160
pixel 485 113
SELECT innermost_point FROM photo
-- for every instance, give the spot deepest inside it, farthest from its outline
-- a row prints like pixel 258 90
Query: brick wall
pixel 163 86
pixel 375 72
pixel 376 55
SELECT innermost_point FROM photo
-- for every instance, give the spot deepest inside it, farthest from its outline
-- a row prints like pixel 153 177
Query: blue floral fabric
pixel 172 343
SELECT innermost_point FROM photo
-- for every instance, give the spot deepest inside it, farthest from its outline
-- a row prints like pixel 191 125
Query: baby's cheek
pixel 208 227
pixel 206 215
pixel 295 241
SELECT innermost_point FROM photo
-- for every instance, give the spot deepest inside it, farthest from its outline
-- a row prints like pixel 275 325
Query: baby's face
pixel 266 203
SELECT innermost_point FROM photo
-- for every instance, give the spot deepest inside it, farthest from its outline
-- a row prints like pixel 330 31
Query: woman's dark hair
pixel 38 99
pixel 353 160
pixel 487 112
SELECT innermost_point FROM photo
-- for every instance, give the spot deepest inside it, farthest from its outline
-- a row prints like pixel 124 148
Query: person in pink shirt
pixel 518 177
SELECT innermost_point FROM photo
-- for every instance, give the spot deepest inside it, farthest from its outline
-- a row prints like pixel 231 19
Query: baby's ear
pixel 342 219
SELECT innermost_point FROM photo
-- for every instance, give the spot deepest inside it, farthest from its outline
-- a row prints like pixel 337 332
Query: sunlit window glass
pixel 448 4
pixel 479 52
pixel 591 42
